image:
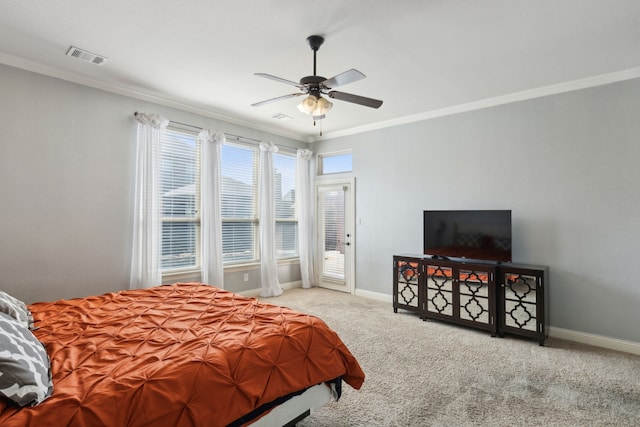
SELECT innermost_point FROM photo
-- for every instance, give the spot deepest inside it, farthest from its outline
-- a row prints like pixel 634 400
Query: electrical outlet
pixel 246 277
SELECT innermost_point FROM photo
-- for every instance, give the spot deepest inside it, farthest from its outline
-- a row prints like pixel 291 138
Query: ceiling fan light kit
pixel 315 105
pixel 308 104
pixel 323 105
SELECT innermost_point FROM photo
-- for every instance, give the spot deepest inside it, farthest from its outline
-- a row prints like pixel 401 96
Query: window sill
pixel 256 265
pixel 194 275
pixel 181 276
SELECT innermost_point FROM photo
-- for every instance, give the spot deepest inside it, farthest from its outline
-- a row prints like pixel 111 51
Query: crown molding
pixel 569 86
pixel 57 73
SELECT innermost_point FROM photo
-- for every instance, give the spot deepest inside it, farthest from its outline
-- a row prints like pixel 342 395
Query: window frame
pixel 196 219
pixel 295 219
pixel 254 221
pixel 178 273
pixel 321 160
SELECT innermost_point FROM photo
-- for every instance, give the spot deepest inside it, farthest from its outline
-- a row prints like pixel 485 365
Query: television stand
pixel 498 297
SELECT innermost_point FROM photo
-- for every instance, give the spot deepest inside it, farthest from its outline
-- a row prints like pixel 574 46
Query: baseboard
pixel 565 334
pixel 374 295
pixel 595 340
pixel 256 292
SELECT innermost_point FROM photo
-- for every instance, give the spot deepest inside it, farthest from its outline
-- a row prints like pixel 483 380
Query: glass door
pixel 335 236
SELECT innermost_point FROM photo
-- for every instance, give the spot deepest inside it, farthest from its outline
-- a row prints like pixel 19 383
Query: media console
pixel 497 297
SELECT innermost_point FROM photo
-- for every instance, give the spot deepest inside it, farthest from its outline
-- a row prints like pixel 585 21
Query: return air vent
pixel 86 56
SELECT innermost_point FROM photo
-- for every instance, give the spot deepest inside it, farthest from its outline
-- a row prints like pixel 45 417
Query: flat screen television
pixel 473 234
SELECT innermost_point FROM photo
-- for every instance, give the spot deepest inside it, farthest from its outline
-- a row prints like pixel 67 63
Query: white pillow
pixel 25 370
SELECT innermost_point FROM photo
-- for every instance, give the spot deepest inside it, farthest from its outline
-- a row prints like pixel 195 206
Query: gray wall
pixel 67 162
pixel 566 165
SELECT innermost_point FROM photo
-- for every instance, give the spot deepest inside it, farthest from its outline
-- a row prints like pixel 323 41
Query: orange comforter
pixel 186 354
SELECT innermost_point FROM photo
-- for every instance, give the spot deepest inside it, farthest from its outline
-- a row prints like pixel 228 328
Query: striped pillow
pixel 25 372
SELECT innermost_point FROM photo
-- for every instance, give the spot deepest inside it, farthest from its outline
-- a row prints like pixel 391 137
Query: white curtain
pixel 210 207
pixel 268 258
pixel 147 224
pixel 304 207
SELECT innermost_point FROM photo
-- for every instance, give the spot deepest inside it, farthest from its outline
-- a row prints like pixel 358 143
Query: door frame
pixel 350 217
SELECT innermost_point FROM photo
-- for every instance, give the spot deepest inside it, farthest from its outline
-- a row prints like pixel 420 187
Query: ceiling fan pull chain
pixel 314 123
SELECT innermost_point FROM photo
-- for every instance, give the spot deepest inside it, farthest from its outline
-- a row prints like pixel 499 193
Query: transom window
pixel 334 163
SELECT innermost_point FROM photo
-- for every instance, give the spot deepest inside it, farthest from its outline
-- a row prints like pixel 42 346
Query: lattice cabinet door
pixel 439 291
pixel 407 284
pixel 477 297
pixel 522 301
pixel 461 292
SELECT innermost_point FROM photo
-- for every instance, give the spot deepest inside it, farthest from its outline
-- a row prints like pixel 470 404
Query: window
pixel 285 205
pixel 180 192
pixel 334 163
pixel 239 203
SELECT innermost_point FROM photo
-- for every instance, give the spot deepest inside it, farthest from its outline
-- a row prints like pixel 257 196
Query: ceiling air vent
pixel 86 56
pixel 280 116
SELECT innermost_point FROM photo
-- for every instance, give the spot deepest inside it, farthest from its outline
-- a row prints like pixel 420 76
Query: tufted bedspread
pixel 186 354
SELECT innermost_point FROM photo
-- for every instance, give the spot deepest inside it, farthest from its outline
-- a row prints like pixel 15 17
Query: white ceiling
pixel 420 56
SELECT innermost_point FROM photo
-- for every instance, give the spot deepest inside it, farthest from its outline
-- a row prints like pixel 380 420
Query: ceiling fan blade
pixel 279 98
pixel 348 76
pixel 356 99
pixel 279 79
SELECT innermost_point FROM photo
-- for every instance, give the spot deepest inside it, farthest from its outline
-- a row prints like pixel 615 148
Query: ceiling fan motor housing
pixel 313 83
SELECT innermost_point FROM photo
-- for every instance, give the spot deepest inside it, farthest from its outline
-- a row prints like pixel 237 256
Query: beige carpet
pixel 437 374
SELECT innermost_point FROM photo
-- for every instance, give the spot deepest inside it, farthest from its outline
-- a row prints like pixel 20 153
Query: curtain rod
pixel 227 135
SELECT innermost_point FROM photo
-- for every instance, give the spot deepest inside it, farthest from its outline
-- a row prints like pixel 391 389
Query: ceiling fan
pixel 315 86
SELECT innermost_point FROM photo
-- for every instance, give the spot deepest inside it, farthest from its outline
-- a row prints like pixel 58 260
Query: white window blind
pixel 285 205
pixel 333 220
pixel 180 191
pixel 239 203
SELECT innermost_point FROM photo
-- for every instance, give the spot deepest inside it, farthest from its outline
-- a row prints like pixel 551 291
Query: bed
pixel 186 354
